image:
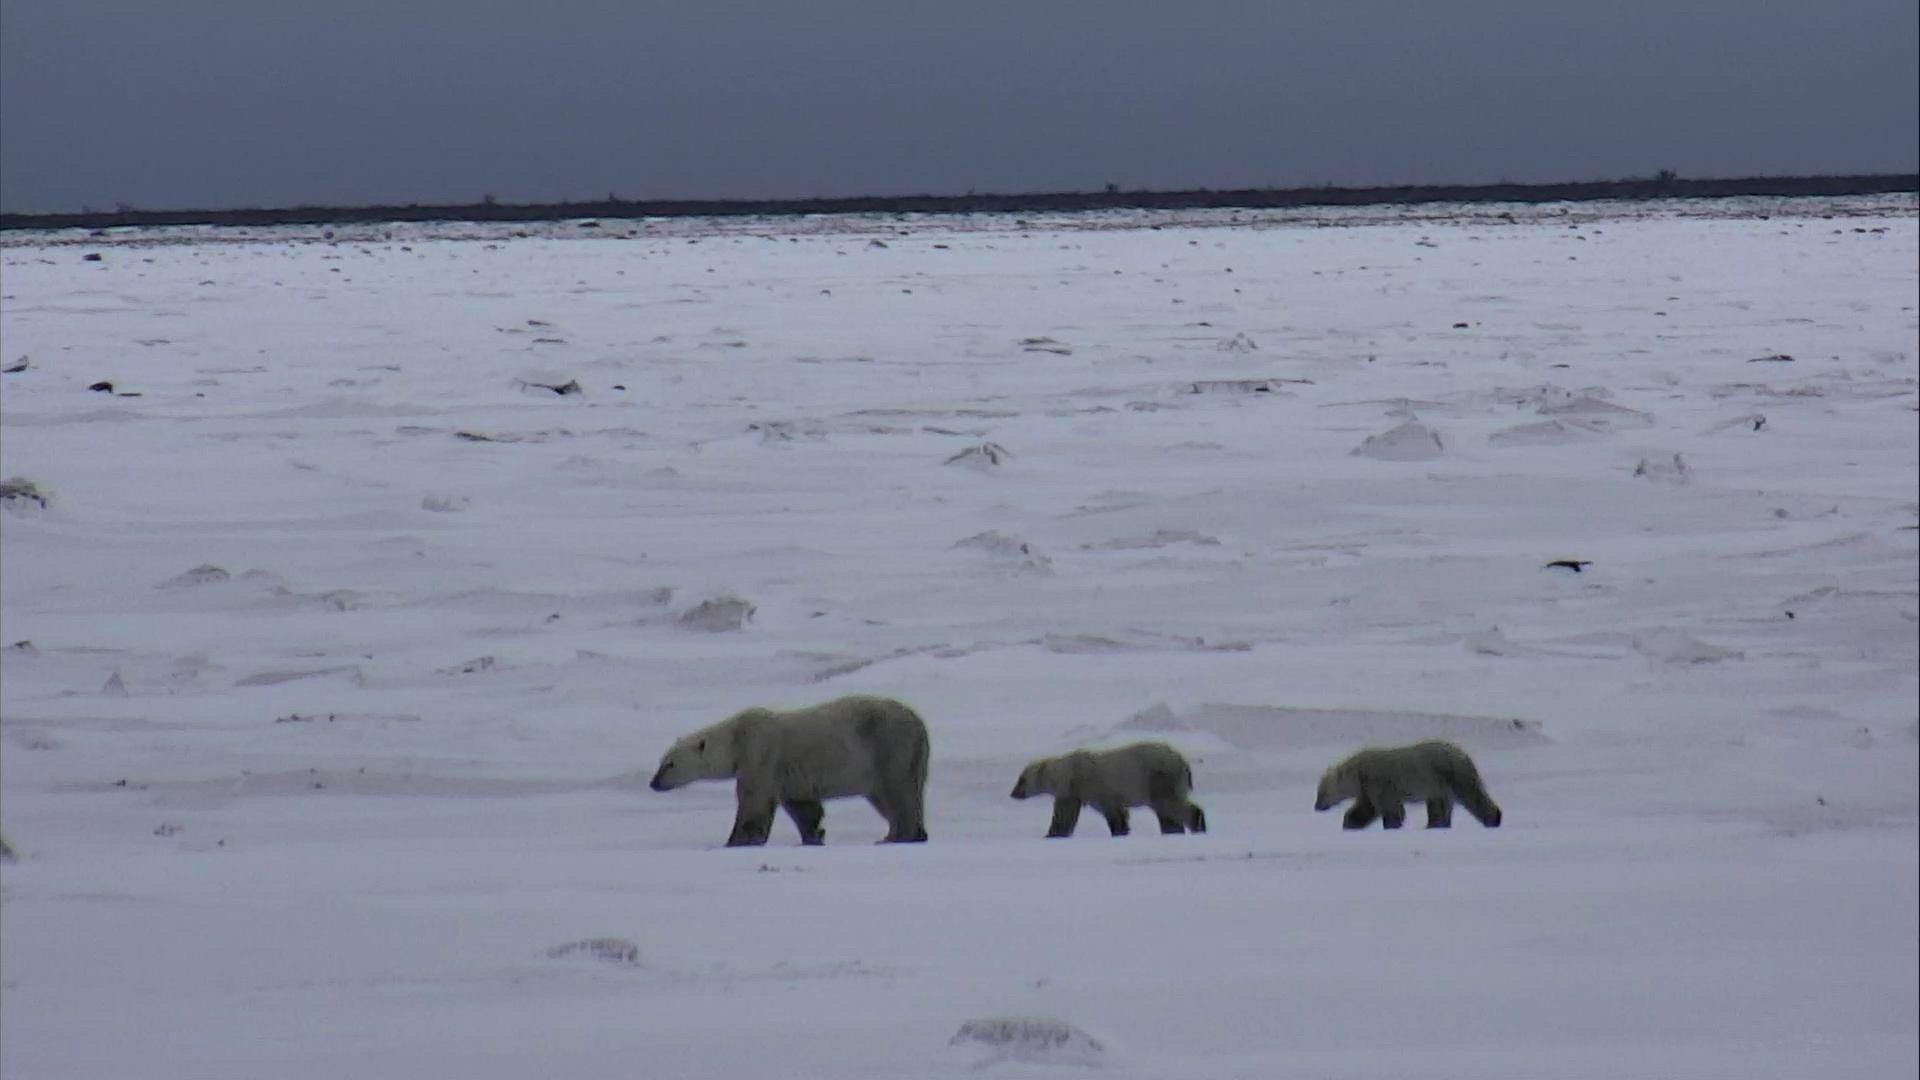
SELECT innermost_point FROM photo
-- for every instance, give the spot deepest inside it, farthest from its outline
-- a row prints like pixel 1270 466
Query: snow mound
pixel 1159 539
pixel 1674 647
pixel 1011 550
pixel 1671 471
pixel 1548 433
pixel 611 950
pixel 1032 1040
pixel 1276 727
pixel 717 614
pixel 787 431
pixel 1594 411
pixel 1235 386
pixel 1411 441
pixel 1155 717
pixel 205 574
pixel 1490 643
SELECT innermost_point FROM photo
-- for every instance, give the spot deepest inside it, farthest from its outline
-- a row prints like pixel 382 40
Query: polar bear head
pixel 706 754
pixel 1337 785
pixel 1048 776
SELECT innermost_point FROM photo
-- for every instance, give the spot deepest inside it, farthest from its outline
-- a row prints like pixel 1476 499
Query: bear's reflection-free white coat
pixel 795 759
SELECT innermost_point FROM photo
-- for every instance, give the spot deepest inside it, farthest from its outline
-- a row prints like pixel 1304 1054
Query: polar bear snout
pixel 1329 794
pixel 1031 782
pixel 671 774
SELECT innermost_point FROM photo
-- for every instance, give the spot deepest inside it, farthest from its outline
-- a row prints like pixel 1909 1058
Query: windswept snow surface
pixel 337 660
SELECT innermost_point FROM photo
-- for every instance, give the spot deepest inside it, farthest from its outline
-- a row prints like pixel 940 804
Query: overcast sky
pixel 198 104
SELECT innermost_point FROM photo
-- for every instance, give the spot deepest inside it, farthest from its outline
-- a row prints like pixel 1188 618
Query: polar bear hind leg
pixel 806 814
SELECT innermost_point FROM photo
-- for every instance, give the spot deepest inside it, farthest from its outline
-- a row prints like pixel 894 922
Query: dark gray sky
pixel 199 104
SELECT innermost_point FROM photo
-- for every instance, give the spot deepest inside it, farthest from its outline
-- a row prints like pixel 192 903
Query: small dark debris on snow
pixel 987 453
pixel 610 949
pixel 619 386
pixel 1460 326
pixel 1035 1040
pixel 102 387
pixel 16 367
pixel 1575 565
pixel 91 256
pixel 571 386
pixel 1776 358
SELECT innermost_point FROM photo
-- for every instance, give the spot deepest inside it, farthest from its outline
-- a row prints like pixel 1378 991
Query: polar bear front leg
pixel 1440 813
pixel 1066 814
pixel 1116 815
pixel 806 814
pixel 1360 815
pixel 1390 802
pixel 752 821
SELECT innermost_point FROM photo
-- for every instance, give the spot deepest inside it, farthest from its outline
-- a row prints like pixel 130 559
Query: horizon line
pixel 1665 184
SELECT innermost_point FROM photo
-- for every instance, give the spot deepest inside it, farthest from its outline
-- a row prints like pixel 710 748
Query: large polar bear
pixel 1382 781
pixel 1139 774
pixel 796 758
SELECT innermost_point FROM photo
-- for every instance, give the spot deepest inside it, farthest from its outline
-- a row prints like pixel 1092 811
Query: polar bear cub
pixel 1381 781
pixel 794 759
pixel 1111 781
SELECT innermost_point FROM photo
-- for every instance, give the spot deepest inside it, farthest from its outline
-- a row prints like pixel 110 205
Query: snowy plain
pixel 338 657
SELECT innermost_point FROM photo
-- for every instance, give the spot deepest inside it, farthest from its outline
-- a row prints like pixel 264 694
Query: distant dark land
pixel 1664 186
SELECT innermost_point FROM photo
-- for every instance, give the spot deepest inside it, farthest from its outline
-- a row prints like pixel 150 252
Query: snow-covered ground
pixel 337 660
